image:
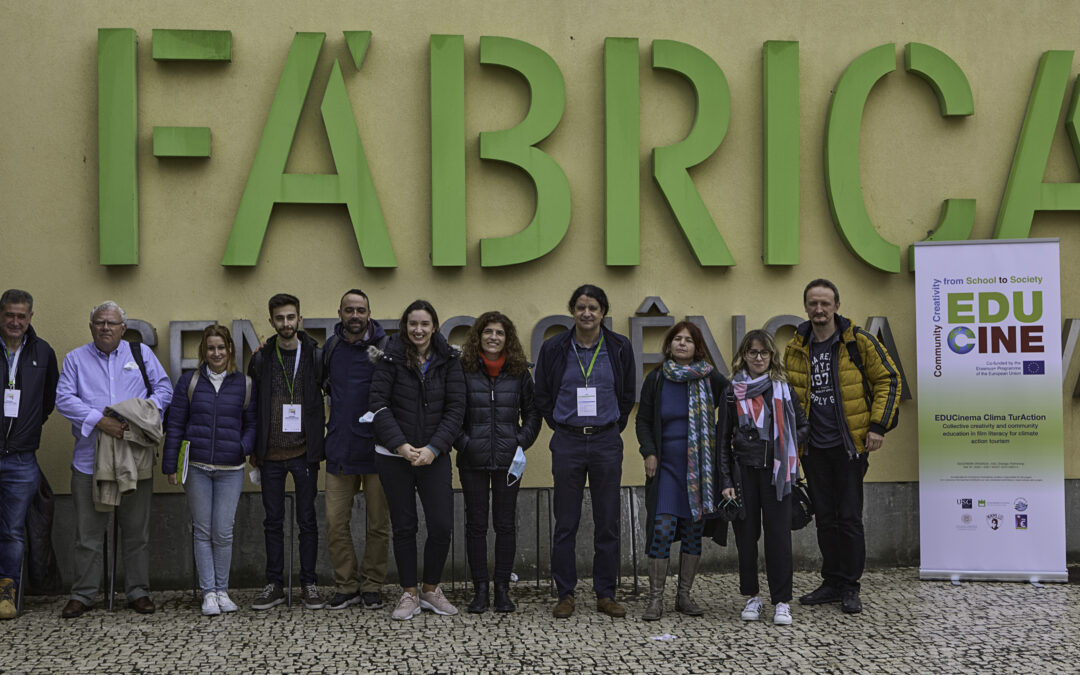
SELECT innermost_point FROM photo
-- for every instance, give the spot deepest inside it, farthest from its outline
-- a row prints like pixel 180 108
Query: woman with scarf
pixel 761 425
pixel 501 423
pixel 677 433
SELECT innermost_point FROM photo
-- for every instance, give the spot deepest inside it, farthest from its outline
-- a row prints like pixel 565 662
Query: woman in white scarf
pixel 761 424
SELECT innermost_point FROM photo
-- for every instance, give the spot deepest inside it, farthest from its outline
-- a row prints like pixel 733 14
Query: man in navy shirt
pixel 585 391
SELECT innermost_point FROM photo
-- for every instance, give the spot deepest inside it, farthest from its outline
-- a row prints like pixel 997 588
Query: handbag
pixel 802 509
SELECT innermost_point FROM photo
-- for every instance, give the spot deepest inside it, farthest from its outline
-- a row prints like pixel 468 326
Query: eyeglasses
pixel 111 324
pixel 755 354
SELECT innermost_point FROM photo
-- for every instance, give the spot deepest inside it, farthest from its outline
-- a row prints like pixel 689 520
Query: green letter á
pixel 269 184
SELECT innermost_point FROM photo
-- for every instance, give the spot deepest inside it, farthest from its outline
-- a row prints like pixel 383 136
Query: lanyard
pixel 289 384
pixel 592 363
pixel 13 362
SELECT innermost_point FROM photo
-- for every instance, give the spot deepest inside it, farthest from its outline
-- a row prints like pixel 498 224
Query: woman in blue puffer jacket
pixel 213 409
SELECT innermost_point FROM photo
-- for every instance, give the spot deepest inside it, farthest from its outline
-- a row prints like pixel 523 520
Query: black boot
pixel 480 599
pixel 502 597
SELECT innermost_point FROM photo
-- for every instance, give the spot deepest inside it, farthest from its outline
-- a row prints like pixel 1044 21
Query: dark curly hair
pixel 516 363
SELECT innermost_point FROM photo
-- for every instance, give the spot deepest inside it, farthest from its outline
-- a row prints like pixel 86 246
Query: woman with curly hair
pixel 501 422
pixel 761 424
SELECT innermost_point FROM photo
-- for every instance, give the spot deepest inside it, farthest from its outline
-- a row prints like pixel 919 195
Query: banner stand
pixel 991 439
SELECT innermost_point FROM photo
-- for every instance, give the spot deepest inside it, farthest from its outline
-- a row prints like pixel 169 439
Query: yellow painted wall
pixel 912 160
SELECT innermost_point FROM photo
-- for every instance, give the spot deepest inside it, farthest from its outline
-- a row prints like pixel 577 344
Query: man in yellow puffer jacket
pixel 850 389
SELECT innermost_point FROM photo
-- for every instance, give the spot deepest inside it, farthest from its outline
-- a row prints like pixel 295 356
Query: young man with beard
pixel 288 440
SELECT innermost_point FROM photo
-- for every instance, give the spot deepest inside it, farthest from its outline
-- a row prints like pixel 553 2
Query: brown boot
pixel 658 569
pixel 688 565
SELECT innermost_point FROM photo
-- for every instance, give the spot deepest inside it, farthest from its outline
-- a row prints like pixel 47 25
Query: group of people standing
pixel 400 403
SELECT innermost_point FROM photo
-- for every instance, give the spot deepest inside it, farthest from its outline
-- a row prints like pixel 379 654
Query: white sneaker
pixel 782 616
pixel 408 607
pixel 210 604
pixel 752 611
pixel 437 602
pixel 225 603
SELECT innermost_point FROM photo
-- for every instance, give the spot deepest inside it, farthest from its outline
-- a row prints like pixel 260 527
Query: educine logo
pixel 1020 504
pixel 1021 521
pixel 964 502
pixel 958 332
pixel 982 503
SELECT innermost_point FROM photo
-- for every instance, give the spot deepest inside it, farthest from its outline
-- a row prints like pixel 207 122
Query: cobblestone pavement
pixel 906 626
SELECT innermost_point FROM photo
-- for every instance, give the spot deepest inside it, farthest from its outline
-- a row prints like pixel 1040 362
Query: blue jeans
pixel 305 479
pixel 212 496
pixel 19 477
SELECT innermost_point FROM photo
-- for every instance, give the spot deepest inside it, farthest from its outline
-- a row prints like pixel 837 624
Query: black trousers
pixel 763 508
pixel 835 482
pixel 474 486
pixel 402 482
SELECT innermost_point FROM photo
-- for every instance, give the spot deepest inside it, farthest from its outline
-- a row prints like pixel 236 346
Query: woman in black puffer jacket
pixel 418 401
pixel 501 422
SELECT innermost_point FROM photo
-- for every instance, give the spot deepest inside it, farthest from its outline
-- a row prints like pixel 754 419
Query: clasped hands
pixel 416 456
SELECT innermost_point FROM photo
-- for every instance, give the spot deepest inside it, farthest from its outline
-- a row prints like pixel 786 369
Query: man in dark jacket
pixel 29 375
pixel 585 391
pixel 350 456
pixel 288 440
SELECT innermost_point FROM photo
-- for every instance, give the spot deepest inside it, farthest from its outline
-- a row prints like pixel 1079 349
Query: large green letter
pixel 517 146
pixel 447 65
pixel 842 181
pixel 268 183
pixel 622 134
pixel 954 97
pixel 118 178
pixel 1025 192
pixel 670 163
pixel 780 72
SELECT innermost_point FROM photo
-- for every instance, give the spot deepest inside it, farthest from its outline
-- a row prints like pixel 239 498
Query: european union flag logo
pixel 1034 367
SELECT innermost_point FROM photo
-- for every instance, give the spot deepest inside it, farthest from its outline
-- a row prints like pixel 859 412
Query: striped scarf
pixel 701 436
pixel 750 404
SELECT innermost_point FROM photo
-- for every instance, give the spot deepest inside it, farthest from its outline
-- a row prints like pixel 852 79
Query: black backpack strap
pixel 137 356
pixel 324 362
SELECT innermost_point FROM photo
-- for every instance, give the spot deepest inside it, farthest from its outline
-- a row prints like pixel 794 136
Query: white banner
pixel 991 458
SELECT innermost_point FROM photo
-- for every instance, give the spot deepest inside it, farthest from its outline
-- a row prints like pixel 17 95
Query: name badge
pixel 586 401
pixel 11 402
pixel 290 418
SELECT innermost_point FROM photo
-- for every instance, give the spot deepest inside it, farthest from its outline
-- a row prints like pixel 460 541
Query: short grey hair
pixel 108 304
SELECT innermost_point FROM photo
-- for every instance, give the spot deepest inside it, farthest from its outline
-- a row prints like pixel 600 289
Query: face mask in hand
pixel 517 467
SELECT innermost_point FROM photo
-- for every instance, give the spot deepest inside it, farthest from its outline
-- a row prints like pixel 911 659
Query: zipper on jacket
pixel 491 448
pixel 213 426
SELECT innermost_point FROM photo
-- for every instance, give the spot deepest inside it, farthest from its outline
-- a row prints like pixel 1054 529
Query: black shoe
pixel 850 602
pixel 372 599
pixel 503 603
pixel 822 595
pixel 343 600
pixel 480 599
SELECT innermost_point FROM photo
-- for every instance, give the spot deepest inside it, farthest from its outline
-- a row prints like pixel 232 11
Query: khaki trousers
pixel 349 576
